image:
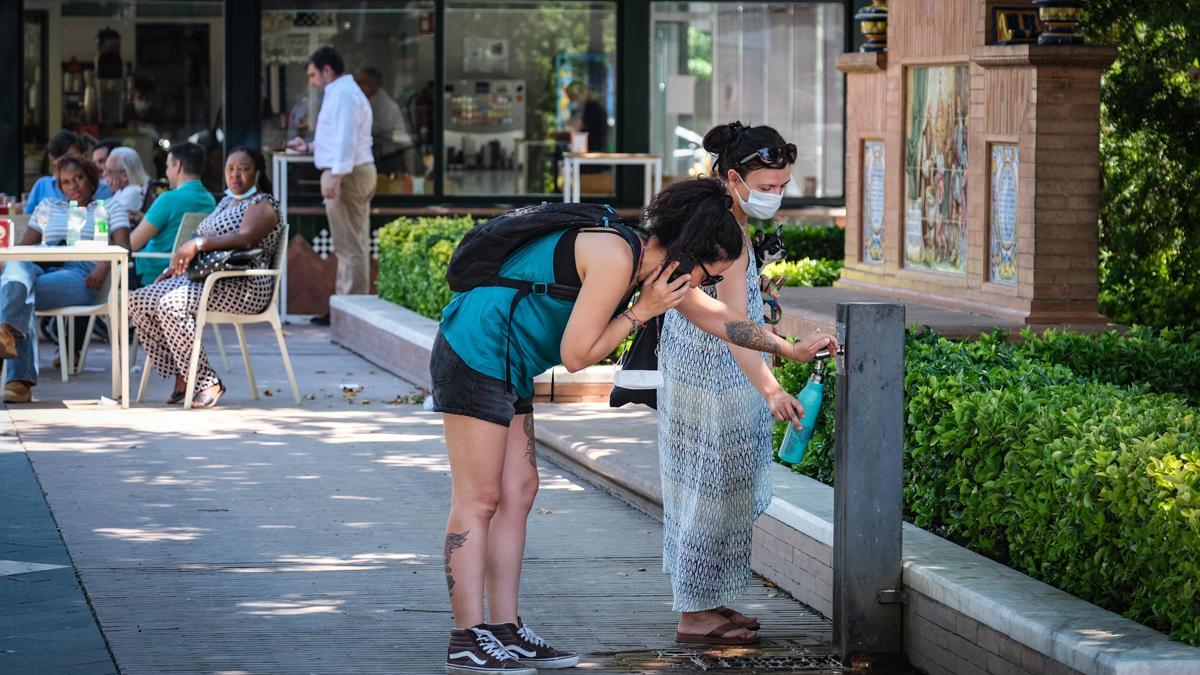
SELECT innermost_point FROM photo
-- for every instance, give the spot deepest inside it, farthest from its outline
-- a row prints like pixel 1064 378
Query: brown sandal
pixel 730 613
pixel 718 636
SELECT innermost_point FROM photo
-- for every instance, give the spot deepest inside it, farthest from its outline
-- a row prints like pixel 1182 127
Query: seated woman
pixel 26 287
pixel 64 142
pixel 125 175
pixel 164 313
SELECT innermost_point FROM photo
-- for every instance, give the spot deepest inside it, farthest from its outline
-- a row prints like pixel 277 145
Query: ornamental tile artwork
pixel 935 179
pixel 872 201
pixel 1005 160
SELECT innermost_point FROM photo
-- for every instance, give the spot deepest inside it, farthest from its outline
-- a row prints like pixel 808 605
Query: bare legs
pixel 494 487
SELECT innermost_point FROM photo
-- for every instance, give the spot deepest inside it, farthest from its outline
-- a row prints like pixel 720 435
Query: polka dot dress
pixel 164 313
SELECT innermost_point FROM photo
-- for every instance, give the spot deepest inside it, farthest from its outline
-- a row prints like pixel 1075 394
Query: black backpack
pixel 481 253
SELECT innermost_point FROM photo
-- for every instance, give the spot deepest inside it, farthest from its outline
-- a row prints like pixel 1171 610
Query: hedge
pixel 413 255
pixel 823 243
pixel 1090 486
pixel 806 271
pixel 1165 361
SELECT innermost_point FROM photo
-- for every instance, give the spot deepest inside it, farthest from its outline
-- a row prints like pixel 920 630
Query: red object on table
pixel 6 227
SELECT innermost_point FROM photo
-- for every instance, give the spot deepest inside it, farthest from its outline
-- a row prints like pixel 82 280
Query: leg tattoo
pixel 530 446
pixel 453 541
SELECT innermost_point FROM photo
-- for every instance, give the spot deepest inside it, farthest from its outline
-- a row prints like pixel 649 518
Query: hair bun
pixel 719 138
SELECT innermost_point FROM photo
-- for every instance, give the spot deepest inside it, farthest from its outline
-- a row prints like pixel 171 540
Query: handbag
pixel 637 377
pixel 207 262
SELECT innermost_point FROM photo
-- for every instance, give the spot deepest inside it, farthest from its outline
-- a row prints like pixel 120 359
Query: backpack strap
pixel 568 292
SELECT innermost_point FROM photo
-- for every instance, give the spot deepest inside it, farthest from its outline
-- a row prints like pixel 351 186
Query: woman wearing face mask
pixel 716 410
pixel 164 313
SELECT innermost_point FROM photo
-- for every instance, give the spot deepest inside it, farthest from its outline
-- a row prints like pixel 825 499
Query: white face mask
pixel 141 105
pixel 245 195
pixel 760 205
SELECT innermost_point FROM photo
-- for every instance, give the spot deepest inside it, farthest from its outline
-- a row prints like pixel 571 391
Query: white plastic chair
pixel 66 329
pixel 187 228
pixel 206 317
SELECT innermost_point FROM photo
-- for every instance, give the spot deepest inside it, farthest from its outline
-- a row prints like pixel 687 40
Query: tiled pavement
pixel 265 537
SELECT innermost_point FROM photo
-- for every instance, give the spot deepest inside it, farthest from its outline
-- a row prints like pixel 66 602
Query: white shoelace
pixel 491 646
pixel 532 637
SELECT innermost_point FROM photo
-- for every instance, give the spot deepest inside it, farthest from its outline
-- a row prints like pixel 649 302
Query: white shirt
pixel 343 137
pixel 129 197
pixel 50 218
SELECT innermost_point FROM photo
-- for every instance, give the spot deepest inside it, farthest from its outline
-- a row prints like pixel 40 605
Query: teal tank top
pixel 476 325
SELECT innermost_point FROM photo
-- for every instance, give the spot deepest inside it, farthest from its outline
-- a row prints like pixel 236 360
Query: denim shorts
pixel 458 389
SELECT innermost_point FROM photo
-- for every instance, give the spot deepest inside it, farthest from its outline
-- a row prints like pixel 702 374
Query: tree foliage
pixel 1150 152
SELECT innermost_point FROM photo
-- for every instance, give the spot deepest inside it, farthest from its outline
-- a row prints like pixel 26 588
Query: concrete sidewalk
pixel 265 537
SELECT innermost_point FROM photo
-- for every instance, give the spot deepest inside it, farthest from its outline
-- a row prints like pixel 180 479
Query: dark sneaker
pixel 529 648
pixel 476 650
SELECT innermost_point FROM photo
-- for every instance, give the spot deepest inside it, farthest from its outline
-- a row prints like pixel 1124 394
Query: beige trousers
pixel 350 226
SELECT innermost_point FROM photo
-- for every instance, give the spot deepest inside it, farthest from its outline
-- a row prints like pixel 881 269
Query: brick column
pixel 1060 148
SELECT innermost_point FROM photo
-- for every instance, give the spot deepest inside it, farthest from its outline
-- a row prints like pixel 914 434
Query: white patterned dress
pixel 164 313
pixel 714 446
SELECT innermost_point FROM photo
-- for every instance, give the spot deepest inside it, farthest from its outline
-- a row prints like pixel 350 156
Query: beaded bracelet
pixel 628 314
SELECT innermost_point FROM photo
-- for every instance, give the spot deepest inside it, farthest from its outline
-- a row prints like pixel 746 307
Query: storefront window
pixel 146 73
pixel 522 78
pixel 761 63
pixel 389 49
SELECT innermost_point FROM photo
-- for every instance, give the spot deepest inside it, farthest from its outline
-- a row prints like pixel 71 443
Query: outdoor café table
pixel 573 160
pixel 119 258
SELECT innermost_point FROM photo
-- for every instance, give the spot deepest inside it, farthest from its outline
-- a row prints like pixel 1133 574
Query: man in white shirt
pixel 341 148
pixel 392 144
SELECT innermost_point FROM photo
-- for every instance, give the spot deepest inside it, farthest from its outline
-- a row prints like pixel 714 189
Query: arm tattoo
pixel 454 541
pixel 530 445
pixel 751 336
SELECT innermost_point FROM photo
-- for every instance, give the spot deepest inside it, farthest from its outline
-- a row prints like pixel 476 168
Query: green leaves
pixel 1072 458
pixel 806 271
pixel 1150 154
pixel 413 256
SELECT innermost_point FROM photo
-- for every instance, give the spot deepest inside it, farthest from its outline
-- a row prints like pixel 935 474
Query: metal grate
pixel 772 659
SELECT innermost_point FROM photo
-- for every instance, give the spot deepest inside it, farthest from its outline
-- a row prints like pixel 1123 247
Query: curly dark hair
pixel 260 165
pixel 733 141
pixel 692 218
pixel 85 166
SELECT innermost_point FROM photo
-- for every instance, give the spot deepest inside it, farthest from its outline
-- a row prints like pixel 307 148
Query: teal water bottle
pixel 795 441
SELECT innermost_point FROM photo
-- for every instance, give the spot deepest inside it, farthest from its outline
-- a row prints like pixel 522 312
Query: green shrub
pixel 1063 474
pixel 806 271
pixel 1150 158
pixel 823 243
pixel 827 243
pixel 1092 488
pixel 1165 361
pixel 413 255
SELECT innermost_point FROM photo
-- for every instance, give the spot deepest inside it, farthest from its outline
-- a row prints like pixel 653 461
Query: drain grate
pixel 776 660
pixel 788 663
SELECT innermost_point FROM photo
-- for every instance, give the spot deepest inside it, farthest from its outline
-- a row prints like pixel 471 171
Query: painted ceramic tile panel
pixel 935 178
pixel 1005 160
pixel 872 201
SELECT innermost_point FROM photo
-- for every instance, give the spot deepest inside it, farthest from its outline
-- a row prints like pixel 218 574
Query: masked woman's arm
pixel 718 319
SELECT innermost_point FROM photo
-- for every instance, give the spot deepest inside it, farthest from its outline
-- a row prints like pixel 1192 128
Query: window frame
pixel 243 121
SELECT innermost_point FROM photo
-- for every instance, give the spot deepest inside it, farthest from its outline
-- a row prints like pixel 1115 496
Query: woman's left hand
pixel 784 406
pixel 183 257
pixel 806 349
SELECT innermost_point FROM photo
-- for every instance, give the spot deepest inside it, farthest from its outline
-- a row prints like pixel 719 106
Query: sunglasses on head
pixel 774 158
